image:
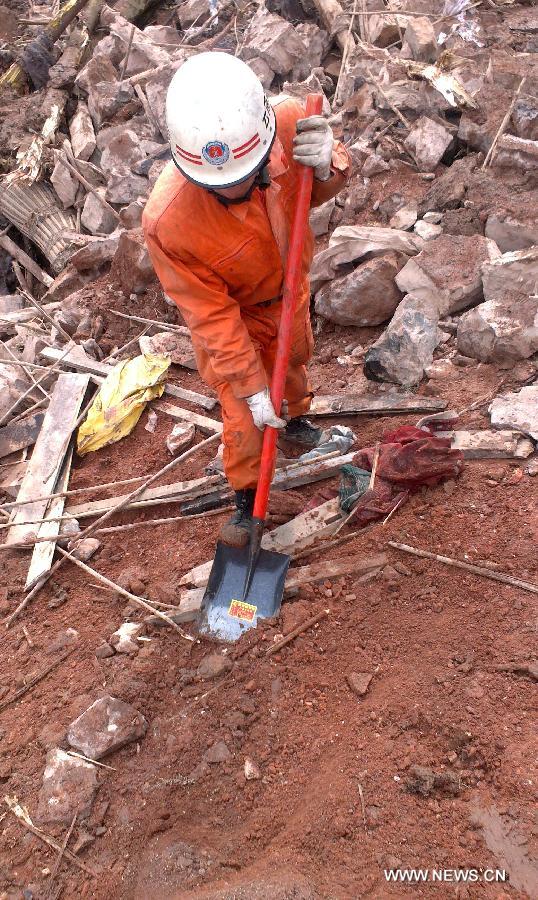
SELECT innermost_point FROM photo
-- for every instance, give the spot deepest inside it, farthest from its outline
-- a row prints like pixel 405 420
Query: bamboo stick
pixel 308 623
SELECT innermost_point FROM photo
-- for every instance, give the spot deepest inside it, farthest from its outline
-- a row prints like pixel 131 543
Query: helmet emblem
pixel 216 153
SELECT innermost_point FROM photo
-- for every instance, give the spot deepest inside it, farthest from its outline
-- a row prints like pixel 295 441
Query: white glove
pixel 313 146
pixel 263 411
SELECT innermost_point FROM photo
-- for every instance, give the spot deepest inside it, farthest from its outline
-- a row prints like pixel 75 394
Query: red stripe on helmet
pixel 255 137
pixel 247 151
pixel 186 153
pixel 189 159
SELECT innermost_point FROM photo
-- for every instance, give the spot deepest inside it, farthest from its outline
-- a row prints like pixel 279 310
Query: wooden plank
pixel 318 469
pixel 206 425
pixel 191 601
pixel 357 405
pixel 164 492
pixel 26 314
pixel 175 390
pixel 43 553
pixel 20 434
pixel 49 452
pixel 300 532
pixel 79 360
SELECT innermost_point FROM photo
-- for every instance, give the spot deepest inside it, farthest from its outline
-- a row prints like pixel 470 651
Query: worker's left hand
pixel 313 146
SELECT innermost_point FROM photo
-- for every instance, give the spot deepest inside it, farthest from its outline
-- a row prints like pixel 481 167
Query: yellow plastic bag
pixel 121 401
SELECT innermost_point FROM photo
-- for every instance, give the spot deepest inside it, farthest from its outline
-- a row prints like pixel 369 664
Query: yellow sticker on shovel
pixel 240 610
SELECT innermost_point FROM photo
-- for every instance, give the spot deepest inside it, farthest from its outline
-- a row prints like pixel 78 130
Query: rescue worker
pixel 217 226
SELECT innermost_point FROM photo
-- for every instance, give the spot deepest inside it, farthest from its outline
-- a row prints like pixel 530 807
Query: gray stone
pixel 69 787
pixel 98 69
pixel 359 682
pixel 500 330
pixel 106 726
pixel 405 217
pixel 511 276
pixel 515 152
pixel 273 39
pixel 511 234
pixel 124 639
pixel 124 187
pixel 301 89
pixel 163 34
pixel 420 41
pixel 213 666
pixel 123 151
pixel 132 267
pixel 374 165
pixel 82 133
pixel 320 216
pixel 156 90
pixel 131 215
pixel 448 271
pixel 525 118
pixel 428 141
pixel 366 296
pixel 191 11
pixel 517 410
pixel 64 183
pixel 263 71
pixel 317 44
pixel 95 254
pixel 96 218
pixel 105 99
pixel 217 753
pixel 406 347
pixel 426 230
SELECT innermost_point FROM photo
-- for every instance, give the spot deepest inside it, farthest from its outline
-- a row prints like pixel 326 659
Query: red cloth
pixel 410 457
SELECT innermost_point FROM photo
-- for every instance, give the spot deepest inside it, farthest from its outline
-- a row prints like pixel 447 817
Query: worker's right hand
pixel 263 411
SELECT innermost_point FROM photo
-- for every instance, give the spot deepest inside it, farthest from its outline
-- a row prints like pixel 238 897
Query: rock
pixel 104 651
pixel 263 71
pixel 163 34
pixel 273 39
pixel 420 41
pixel 96 253
pixel 359 682
pixel 217 753
pixel 85 549
pixel 478 127
pixel 124 639
pixel 367 296
pixel 131 215
pixel 177 346
pixel 374 165
pixel 69 787
pixel 317 43
pixel 406 346
pixel 405 217
pixel 180 438
pixel 500 330
pixel 426 230
pixel 99 69
pixel 301 89
pixel 428 142
pixel 320 216
pixel 464 221
pixel 65 638
pixel 122 151
pixel 448 272
pixel 133 579
pixel 124 186
pixel 156 89
pixel 433 218
pixel 155 170
pixel 132 267
pixel 96 218
pixel 251 770
pixel 106 726
pixel 511 234
pixel 191 11
pixel 356 200
pixel 517 410
pixel 82 133
pixel 525 118
pixel 105 99
pixel 213 666
pixel 64 183
pixel 448 191
pixel 511 276
pixel 516 152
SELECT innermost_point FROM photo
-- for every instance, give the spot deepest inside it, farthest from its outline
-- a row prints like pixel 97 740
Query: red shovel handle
pixel 292 280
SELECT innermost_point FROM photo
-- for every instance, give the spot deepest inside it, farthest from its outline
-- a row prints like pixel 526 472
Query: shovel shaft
pixel 292 281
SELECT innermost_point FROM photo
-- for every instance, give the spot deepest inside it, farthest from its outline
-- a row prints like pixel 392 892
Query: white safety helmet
pixel 220 122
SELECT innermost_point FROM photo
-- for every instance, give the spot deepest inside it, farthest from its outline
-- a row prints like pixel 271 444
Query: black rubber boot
pixel 300 430
pixel 236 531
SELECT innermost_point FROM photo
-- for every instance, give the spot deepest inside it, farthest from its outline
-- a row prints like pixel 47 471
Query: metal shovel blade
pixel 224 614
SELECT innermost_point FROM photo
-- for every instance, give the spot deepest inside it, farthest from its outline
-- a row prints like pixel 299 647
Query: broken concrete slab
pixel 517 410
pixel 428 142
pixel 420 40
pixel 352 242
pixel 447 273
pixel 500 331
pixel 490 444
pixel 406 346
pixel 366 296
pixel 82 133
pixel 273 39
pixel 69 787
pixel 106 726
pixel 511 276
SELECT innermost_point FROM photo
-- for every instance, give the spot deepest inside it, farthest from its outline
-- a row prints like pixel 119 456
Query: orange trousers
pixel 242 440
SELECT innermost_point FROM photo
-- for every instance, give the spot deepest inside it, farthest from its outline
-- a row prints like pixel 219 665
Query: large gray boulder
pixel 500 330
pixel 366 296
pixel 406 346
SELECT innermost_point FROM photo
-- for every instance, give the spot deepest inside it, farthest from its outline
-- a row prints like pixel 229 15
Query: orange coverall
pixel 223 266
